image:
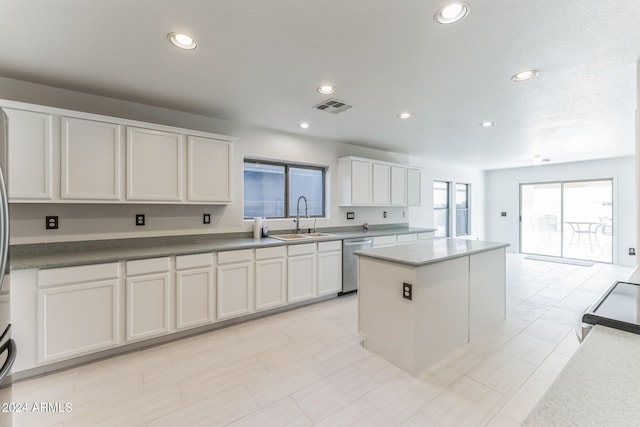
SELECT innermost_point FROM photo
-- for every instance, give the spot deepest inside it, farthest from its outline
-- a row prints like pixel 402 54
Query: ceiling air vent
pixel 332 106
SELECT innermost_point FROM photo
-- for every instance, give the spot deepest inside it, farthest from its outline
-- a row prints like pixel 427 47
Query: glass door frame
pixel 562 183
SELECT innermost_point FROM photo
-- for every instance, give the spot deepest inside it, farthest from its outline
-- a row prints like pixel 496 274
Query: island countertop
pixel 430 251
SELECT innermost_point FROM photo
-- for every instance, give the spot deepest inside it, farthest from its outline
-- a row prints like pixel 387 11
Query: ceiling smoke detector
pixel 332 106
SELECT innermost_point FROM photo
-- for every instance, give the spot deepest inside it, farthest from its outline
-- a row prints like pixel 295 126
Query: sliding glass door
pixel 571 219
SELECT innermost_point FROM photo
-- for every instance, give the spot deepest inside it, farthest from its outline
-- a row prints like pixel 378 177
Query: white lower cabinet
pixel 195 291
pixel 426 235
pixel 329 267
pixel 235 282
pixel 147 298
pixel 77 311
pixel 301 272
pixel 270 278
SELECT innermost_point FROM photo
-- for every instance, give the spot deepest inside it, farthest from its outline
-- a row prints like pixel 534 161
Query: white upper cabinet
pixel 355 181
pixel 30 152
pixel 381 183
pixel 398 185
pixel 209 170
pixel 64 156
pixel 414 188
pixel 154 165
pixel 90 160
pixel 365 182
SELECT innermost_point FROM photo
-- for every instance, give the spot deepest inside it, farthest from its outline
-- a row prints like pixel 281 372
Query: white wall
pixel 503 195
pixel 80 222
pixel 436 171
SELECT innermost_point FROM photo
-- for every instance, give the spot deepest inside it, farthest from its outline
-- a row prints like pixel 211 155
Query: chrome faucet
pixel 306 212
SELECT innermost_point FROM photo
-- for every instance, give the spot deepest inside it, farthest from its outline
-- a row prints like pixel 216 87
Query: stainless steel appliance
pixel 618 307
pixel 7 345
pixel 350 262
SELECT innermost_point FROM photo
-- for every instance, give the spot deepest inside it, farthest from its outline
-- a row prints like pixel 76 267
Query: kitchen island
pixel 418 303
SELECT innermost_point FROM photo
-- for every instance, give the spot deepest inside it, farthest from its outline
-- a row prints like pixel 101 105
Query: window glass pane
pixel 310 184
pixel 441 208
pixel 441 222
pixel 462 196
pixel 440 194
pixel 263 190
pixel 462 222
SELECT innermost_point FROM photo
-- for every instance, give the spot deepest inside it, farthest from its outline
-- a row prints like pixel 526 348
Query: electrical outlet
pixel 407 291
pixel 351 215
pixel 384 214
pixel 139 219
pixel 503 214
pixel 206 218
pixel 51 222
pixel 632 251
pixel 404 214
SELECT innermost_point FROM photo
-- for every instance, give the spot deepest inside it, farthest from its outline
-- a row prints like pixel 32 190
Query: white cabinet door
pixel 30 153
pixel 209 170
pixel 426 235
pixel 154 165
pixel 381 183
pixel 398 185
pixel 234 289
pixel 90 160
pixel 147 302
pixel 329 272
pixel 194 297
pixel 414 187
pixel 301 277
pixel 77 319
pixel 270 283
pixel 360 182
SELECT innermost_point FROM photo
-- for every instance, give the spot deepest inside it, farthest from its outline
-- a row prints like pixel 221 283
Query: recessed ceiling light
pixel 182 41
pixel 487 124
pixel 523 76
pixel 326 89
pixel 453 12
pixel 304 125
pixel 404 116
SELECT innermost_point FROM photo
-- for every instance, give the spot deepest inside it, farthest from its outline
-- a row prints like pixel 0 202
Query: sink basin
pixel 299 236
pixel 289 236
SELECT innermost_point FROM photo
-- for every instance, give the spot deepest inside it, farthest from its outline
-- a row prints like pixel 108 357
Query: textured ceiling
pixel 259 62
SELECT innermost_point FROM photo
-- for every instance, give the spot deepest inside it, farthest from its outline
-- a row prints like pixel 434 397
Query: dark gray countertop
pixel 66 254
pixel 430 251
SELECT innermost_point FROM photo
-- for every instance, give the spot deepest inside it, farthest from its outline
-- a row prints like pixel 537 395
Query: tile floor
pixel 307 367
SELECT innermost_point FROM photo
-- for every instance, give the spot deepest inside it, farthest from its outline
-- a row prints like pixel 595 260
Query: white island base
pixel 458 293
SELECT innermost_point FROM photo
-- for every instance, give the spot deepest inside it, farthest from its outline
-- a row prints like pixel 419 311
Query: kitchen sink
pixel 299 236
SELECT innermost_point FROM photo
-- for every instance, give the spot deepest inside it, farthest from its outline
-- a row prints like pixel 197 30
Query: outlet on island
pixel 140 219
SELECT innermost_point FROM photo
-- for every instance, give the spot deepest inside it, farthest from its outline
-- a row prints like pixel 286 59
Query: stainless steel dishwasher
pixel 350 262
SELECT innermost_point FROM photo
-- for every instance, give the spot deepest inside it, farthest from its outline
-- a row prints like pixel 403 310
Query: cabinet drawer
pixel 404 239
pixel 234 256
pixel 146 266
pixel 84 273
pixel 193 261
pixel 384 241
pixel 426 236
pixel 268 253
pixel 307 248
pixel 336 245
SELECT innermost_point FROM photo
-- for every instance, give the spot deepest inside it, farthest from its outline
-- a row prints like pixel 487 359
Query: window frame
pixel 286 166
pixel 467 209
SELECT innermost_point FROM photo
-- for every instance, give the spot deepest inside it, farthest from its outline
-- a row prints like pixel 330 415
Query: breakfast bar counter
pixel 418 303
